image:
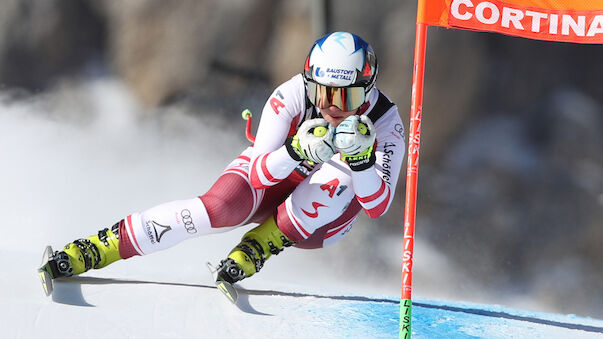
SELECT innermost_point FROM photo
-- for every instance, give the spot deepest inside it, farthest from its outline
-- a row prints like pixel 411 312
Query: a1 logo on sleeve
pixel 277 104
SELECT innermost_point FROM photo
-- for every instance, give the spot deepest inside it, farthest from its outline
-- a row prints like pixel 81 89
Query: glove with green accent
pixel 313 142
pixel 360 161
pixel 354 139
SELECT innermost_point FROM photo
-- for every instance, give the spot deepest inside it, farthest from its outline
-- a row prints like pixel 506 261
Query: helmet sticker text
pixel 344 74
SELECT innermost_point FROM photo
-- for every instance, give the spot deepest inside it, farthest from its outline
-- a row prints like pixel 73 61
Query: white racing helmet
pixel 340 70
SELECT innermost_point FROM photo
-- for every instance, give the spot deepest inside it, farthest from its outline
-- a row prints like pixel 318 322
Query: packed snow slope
pixel 180 302
pixel 63 179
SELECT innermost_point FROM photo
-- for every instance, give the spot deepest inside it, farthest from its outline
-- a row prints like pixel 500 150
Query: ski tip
pixel 211 267
pixel 43 274
pixel 213 270
pixel 228 290
pixel 223 286
pixel 48 252
pixel 46 281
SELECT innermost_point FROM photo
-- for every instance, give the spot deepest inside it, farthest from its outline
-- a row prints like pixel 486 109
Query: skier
pixel 329 144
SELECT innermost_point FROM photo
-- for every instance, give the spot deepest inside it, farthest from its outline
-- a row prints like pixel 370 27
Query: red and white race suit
pixel 313 205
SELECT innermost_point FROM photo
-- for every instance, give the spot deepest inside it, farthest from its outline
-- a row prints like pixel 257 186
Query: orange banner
pixel 579 21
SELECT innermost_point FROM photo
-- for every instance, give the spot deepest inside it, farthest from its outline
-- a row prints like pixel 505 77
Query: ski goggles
pixel 345 98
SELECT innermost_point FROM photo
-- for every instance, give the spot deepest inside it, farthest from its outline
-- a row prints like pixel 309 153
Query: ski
pixel 227 289
pixel 45 271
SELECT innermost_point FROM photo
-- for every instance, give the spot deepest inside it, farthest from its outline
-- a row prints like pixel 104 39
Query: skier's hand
pixel 354 135
pixel 313 141
pixel 354 139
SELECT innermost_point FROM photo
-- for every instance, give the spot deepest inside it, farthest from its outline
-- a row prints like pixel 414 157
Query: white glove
pixel 354 135
pixel 313 141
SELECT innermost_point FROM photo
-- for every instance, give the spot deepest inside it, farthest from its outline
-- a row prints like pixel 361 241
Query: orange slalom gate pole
pixel 412 172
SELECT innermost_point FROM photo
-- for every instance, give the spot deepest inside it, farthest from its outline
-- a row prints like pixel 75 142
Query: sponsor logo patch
pixel 155 231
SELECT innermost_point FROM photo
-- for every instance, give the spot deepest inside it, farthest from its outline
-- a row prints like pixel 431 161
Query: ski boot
pixel 249 256
pixel 96 251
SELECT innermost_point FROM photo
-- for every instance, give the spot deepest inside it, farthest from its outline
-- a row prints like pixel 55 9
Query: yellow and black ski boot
pixel 249 256
pixel 79 256
pixel 96 251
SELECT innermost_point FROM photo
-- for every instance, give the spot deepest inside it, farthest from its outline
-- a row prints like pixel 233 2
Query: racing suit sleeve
pixel 270 161
pixel 375 186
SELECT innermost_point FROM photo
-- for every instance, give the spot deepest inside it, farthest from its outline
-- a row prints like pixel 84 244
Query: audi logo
pixel 188 221
pixel 399 128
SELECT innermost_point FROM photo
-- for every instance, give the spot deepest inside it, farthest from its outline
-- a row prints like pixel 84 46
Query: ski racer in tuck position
pixel 329 144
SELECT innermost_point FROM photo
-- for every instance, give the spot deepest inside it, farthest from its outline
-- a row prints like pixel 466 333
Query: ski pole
pixel 246 115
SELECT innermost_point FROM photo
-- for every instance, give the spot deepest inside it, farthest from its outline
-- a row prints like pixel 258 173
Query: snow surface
pixel 64 180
